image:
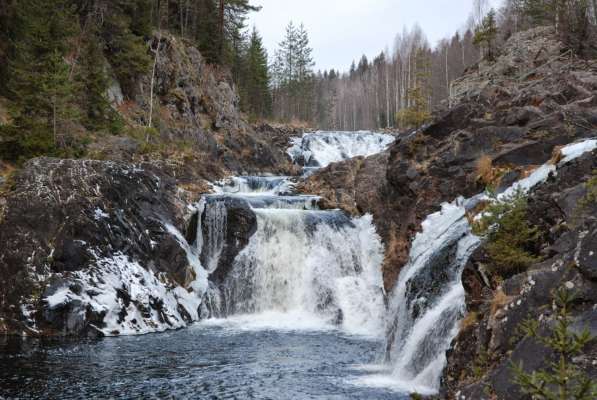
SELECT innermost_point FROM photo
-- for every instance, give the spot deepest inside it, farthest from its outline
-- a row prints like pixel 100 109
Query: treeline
pixel 58 59
pixel 399 88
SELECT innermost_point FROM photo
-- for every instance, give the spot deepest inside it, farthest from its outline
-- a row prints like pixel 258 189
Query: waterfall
pixel 313 264
pixel 319 149
pixel 302 267
pixel 428 300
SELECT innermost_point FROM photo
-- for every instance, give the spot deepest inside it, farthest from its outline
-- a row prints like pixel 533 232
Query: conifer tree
pixel 258 97
pixel 562 380
pixel 98 113
pixel 485 35
pixel 39 84
pixel 124 36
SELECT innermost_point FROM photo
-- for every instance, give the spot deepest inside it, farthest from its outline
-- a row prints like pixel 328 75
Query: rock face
pixel 69 226
pixel 197 107
pixel 513 116
pixel 480 359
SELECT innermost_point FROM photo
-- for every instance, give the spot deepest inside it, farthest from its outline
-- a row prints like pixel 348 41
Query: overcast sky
pixel 343 30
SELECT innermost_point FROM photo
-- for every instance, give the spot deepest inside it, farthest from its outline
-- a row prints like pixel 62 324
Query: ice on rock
pixel 577 149
pixel 153 303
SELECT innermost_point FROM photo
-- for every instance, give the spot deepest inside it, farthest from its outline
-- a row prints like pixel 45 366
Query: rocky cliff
pixel 513 113
pixel 200 130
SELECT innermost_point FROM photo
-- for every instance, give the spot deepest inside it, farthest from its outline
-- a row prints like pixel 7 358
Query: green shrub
pixel 511 238
pixel 562 380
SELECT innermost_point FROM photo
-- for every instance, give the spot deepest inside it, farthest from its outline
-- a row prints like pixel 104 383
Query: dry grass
pixel 500 299
pixel 484 170
pixel 556 156
pixel 469 321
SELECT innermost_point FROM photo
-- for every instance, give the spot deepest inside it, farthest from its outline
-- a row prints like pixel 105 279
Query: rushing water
pixel 300 310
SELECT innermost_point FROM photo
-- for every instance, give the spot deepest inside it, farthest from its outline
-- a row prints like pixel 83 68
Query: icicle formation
pixel 320 149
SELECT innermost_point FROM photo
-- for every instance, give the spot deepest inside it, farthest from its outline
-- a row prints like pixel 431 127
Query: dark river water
pixel 203 362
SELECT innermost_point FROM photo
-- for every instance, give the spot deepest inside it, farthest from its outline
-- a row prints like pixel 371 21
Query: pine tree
pixel 98 113
pixel 207 26
pixel 486 33
pixel 294 75
pixel 562 380
pixel 258 98
pixel 39 84
pixel 125 36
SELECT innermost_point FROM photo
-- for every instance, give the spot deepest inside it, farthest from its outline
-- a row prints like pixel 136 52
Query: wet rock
pixel 238 222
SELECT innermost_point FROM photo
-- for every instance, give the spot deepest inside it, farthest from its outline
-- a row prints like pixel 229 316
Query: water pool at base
pixel 207 361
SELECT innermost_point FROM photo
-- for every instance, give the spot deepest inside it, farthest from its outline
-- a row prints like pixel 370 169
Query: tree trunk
pixel 155 63
pixel 54 123
pixel 447 73
pixel 221 27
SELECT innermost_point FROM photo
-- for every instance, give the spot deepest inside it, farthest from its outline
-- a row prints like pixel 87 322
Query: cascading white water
pixel 318 266
pixel 428 299
pixel 319 149
pixel 304 266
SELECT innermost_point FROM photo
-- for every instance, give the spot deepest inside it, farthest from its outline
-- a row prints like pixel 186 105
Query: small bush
pixel 511 238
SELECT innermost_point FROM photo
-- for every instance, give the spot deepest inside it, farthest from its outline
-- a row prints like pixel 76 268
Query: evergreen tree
pixel 98 113
pixel 485 35
pixel 258 98
pixel 207 27
pixel 125 36
pixel 39 84
pixel 294 75
pixel 562 380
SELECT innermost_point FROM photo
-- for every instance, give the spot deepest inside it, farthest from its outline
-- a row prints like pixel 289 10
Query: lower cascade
pixel 317 268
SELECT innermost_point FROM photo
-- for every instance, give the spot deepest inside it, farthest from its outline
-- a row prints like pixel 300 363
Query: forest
pixel 53 58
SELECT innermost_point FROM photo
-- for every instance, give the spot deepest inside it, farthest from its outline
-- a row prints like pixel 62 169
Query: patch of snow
pixel 575 150
pixel 538 176
pixel 100 214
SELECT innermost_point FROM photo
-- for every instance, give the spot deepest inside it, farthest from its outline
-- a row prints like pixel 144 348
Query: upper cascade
pixel 319 149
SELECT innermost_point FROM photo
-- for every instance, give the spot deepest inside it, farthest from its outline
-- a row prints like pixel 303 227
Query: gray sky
pixel 343 30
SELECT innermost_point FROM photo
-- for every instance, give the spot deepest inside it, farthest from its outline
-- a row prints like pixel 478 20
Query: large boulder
pixel 90 247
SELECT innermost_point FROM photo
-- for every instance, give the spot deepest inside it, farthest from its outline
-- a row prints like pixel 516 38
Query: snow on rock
pixel 577 149
pixel 129 298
